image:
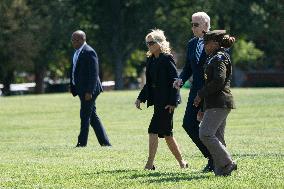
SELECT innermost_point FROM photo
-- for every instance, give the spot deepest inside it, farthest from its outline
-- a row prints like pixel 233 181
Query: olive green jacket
pixel 217 74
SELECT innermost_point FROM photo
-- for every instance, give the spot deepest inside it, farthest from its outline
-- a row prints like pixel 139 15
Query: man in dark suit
pixel 85 82
pixel 195 59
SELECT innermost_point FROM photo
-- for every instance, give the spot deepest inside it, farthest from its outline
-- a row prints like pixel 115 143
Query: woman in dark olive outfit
pixel 158 91
pixel 218 100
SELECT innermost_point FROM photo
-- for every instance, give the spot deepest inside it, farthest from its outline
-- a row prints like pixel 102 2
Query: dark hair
pixel 227 41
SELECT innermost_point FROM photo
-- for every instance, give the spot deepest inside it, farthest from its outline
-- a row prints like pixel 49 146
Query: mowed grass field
pixel 38 135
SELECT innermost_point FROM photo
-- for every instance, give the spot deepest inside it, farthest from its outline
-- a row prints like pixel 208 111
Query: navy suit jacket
pixel 86 75
pixel 192 68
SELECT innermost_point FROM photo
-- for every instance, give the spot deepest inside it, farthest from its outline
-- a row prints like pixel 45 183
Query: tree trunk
pixel 116 43
pixel 39 80
pixel 9 78
pixel 117 56
pixel 118 74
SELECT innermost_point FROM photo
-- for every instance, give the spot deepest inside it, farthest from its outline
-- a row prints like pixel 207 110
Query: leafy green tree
pixel 16 43
pixel 260 22
pixel 246 55
pixel 35 34
pixel 267 33
pixel 51 21
pixel 118 27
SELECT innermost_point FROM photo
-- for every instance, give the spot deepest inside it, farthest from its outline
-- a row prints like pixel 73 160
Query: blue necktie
pixel 199 49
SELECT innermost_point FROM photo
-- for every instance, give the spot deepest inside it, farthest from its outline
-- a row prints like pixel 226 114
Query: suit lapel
pixel 195 44
pixel 194 49
pixel 80 57
pixel 203 56
pixel 80 54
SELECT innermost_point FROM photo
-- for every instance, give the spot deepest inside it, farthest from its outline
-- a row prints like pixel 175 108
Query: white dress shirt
pixel 75 58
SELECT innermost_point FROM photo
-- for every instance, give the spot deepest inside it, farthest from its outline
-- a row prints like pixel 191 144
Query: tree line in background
pixel 35 34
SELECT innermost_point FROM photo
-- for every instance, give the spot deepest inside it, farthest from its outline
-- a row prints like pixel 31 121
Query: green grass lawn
pixel 38 135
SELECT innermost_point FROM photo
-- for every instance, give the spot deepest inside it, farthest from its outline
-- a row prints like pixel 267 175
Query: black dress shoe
pixel 209 167
pixel 229 169
pixel 106 145
pixel 80 145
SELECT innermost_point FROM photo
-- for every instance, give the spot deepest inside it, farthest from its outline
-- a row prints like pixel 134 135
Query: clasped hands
pixel 177 84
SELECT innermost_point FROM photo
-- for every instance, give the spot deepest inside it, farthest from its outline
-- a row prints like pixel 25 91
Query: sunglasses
pixel 150 43
pixel 195 25
pixel 75 40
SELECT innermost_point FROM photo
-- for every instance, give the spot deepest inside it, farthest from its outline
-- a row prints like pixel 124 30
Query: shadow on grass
pixel 252 155
pixel 154 176
pixel 158 177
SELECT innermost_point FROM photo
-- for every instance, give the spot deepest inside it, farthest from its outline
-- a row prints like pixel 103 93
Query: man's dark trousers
pixel 191 125
pixel 196 70
pixel 89 116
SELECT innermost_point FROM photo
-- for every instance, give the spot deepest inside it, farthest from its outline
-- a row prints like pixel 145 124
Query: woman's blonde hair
pixel 160 38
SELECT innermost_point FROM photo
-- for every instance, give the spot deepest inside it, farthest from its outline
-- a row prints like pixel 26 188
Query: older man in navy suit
pixel 195 59
pixel 85 83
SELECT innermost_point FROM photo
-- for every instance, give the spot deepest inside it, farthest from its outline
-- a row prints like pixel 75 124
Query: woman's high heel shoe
pixel 184 165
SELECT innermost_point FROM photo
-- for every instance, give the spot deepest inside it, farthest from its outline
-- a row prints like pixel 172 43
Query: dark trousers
pixel 191 125
pixel 89 116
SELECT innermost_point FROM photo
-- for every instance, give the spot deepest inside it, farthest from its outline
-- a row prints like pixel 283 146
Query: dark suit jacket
pixel 217 74
pixel 165 76
pixel 192 68
pixel 86 73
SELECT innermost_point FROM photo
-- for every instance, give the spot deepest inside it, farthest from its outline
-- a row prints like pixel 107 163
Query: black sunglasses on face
pixel 75 40
pixel 150 43
pixel 195 25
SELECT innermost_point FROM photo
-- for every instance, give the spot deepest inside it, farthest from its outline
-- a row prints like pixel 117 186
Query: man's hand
pixel 88 96
pixel 171 108
pixel 197 100
pixel 200 115
pixel 177 83
pixel 137 104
